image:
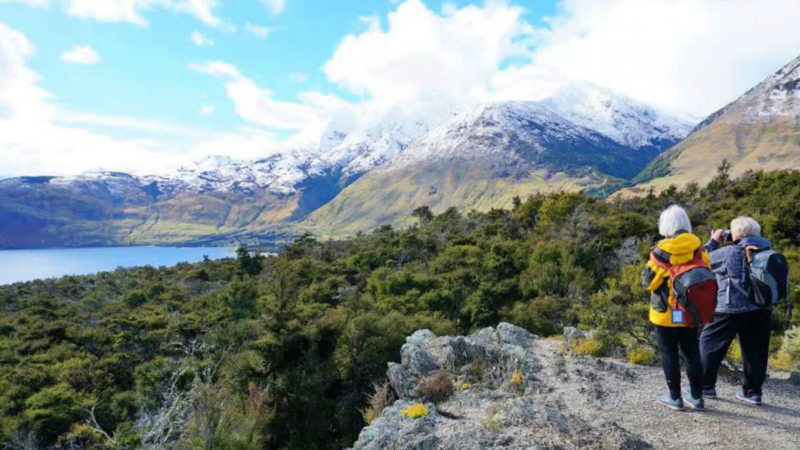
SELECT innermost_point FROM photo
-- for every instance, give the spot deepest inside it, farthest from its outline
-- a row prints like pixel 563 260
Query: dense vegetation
pixel 282 351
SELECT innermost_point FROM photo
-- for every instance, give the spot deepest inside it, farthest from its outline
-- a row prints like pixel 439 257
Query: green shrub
pixel 640 354
pixel 588 347
pixel 787 358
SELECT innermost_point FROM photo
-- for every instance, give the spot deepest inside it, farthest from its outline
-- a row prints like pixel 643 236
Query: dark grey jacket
pixel 729 264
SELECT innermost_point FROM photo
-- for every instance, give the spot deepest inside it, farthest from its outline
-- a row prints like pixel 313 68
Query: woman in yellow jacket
pixel 673 330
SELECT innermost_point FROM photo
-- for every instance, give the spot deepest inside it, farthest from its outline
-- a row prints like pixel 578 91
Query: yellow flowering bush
pixel 415 411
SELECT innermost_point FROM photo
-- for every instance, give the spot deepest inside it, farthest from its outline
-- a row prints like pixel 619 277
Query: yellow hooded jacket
pixel 679 249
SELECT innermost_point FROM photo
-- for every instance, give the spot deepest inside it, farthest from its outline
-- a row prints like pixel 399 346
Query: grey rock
pixel 392 430
pixel 514 335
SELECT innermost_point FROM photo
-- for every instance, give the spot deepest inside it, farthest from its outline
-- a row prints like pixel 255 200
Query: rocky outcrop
pixel 507 388
pixel 501 400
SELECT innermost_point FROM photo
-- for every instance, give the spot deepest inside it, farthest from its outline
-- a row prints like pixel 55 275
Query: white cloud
pixel 419 52
pixel 81 54
pixel 200 40
pixel 112 11
pixel 38 138
pixel 21 98
pixel 258 31
pixel 132 11
pixel 202 10
pixel 679 55
pixel 256 104
pixel 275 6
pixel 684 54
pixel 206 110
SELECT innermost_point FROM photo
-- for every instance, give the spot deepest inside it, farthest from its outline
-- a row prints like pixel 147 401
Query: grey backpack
pixel 769 278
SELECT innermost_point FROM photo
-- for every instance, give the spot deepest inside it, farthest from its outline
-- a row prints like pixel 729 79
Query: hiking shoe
pixel 709 393
pixel 754 399
pixel 696 404
pixel 669 402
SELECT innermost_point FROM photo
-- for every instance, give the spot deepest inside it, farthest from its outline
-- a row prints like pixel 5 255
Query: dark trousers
pixel 670 339
pixel 753 331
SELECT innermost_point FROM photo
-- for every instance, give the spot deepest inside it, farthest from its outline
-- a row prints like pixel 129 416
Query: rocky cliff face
pixel 511 389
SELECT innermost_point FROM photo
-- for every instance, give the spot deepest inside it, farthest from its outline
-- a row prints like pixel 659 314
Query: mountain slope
pixel 581 139
pixel 759 130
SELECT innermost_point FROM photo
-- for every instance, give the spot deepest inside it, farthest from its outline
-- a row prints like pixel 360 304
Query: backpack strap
pixel 661 257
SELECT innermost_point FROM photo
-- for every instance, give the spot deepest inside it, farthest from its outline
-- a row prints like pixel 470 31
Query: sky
pixel 142 85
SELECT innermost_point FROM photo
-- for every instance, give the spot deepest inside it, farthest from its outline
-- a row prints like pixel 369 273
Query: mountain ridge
pixel 581 137
pixel 758 130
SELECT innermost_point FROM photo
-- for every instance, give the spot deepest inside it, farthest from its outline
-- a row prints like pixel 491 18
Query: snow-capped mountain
pixel 384 135
pixel 583 125
pixel 579 112
pixel 579 137
pixel 620 118
pixel 279 173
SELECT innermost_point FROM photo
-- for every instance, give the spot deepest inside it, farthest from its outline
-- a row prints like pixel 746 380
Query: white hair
pixel 745 226
pixel 672 220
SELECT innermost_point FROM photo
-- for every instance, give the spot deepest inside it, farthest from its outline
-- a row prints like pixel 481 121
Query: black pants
pixel 670 339
pixel 753 331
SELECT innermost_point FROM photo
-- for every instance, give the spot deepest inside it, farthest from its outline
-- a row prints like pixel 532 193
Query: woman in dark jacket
pixel 736 315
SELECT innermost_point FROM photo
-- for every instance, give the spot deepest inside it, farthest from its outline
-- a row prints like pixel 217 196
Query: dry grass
pixel 517 382
pixel 435 388
pixel 382 396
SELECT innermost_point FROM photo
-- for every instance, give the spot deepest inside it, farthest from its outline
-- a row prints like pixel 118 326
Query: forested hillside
pixel 283 351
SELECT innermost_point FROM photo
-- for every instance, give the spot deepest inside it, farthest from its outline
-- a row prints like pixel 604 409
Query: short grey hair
pixel 745 226
pixel 672 220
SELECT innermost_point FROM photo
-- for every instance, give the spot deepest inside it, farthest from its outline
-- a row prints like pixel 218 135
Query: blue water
pixel 26 265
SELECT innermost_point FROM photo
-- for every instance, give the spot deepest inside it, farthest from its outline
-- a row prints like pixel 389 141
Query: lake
pixel 27 265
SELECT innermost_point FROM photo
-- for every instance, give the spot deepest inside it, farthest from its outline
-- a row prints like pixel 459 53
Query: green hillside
pixel 388 196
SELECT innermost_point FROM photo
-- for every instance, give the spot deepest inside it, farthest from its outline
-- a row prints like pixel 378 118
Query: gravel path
pixel 605 390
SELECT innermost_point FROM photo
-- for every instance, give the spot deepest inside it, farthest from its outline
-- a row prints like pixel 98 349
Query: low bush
pixel 588 347
pixel 734 355
pixel 640 354
pixel 787 358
